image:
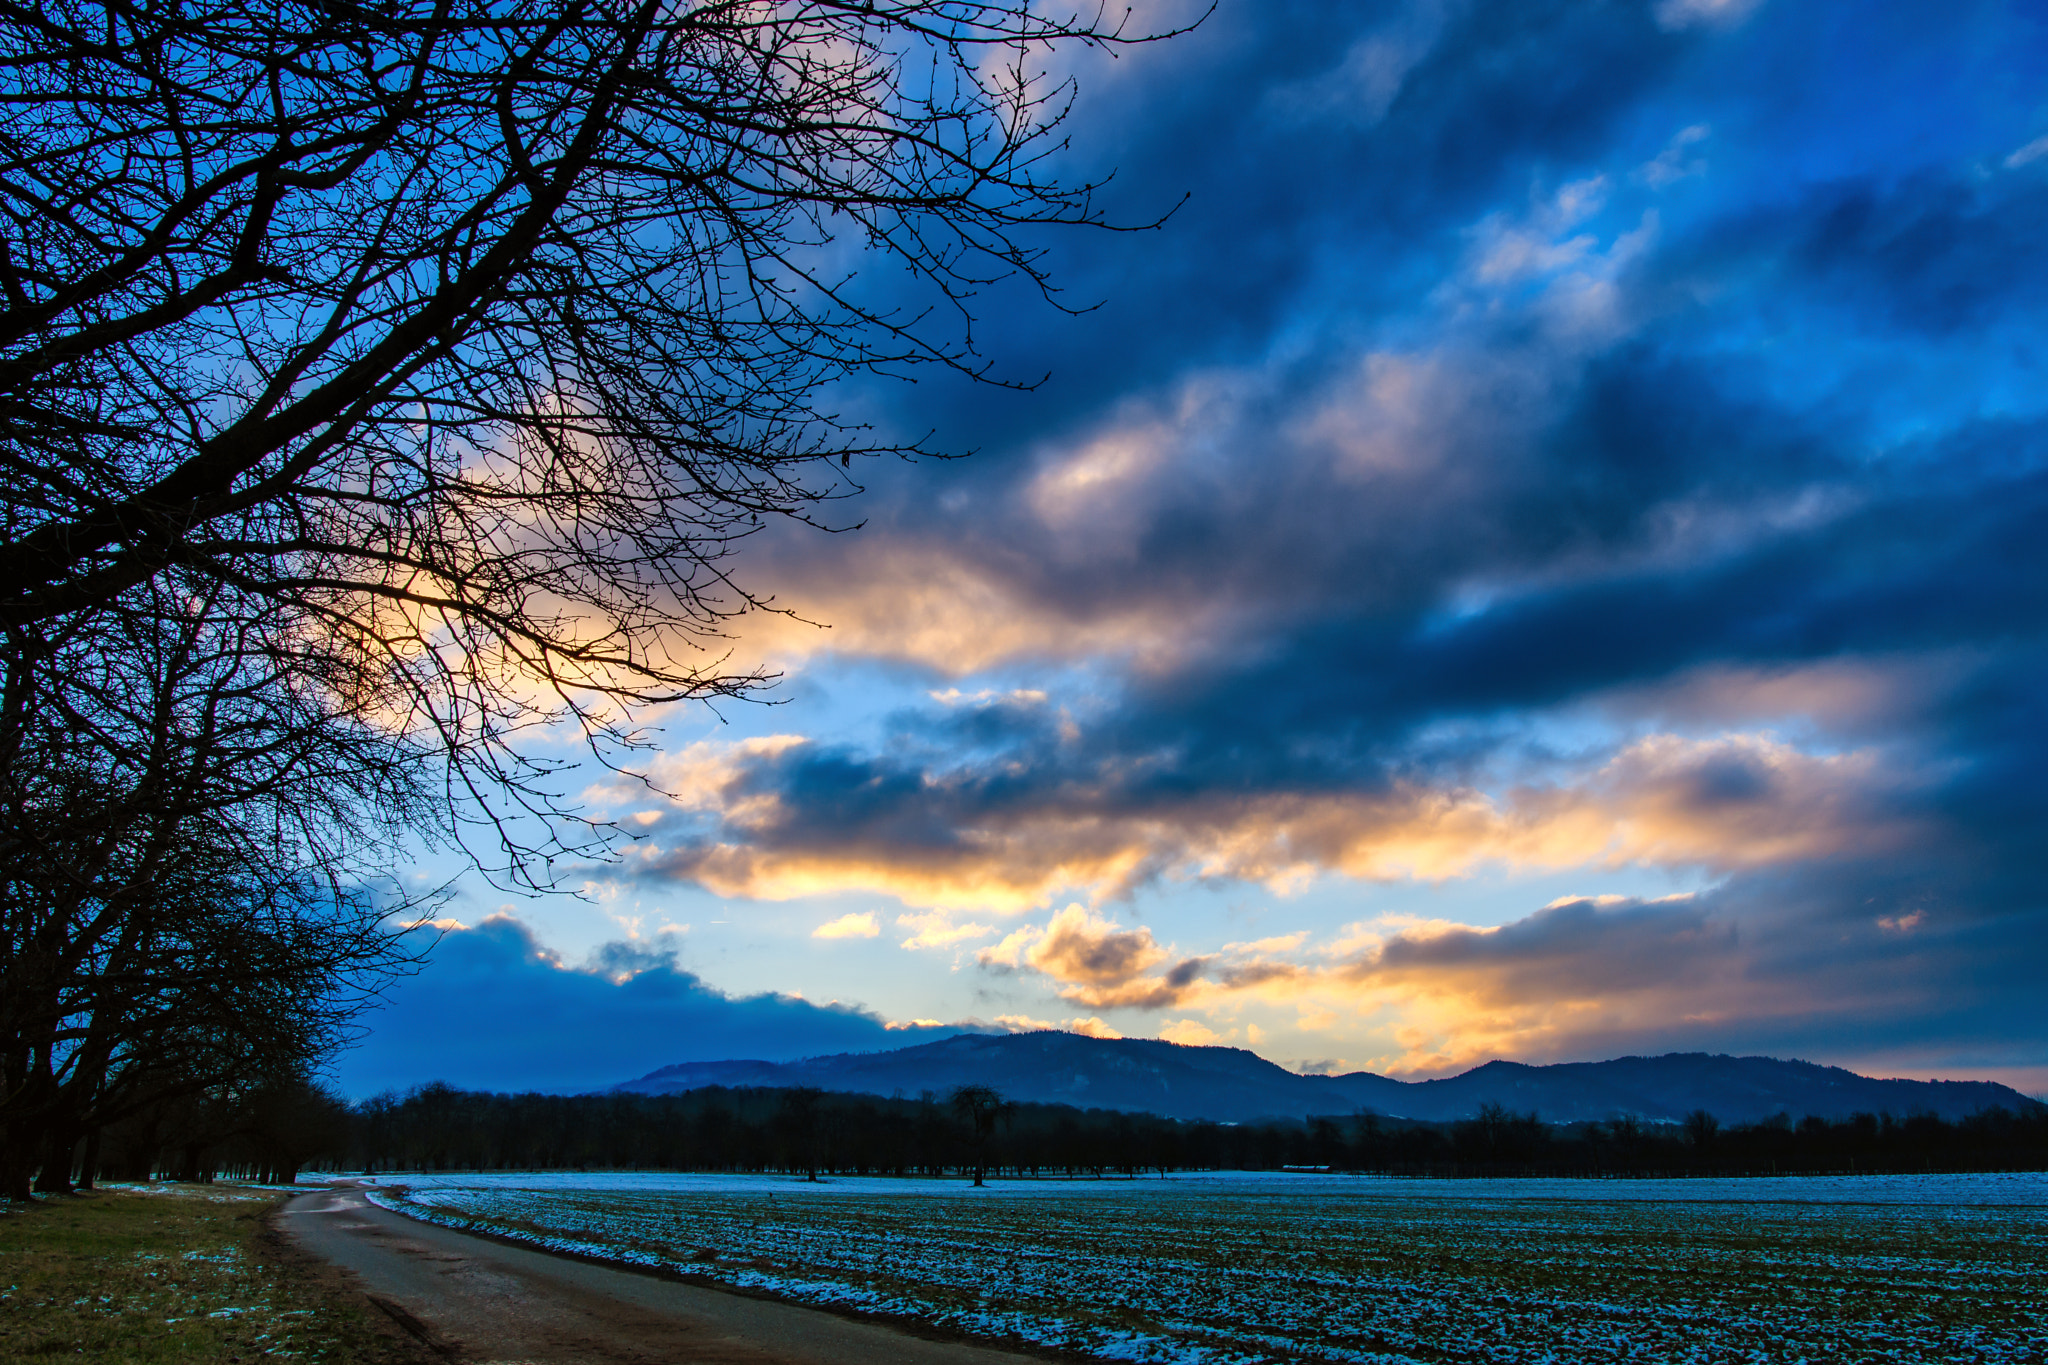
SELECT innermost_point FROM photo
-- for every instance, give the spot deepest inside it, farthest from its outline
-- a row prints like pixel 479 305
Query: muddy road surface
pixel 484 1302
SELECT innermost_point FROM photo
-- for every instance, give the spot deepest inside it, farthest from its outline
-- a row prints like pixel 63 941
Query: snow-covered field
pixel 1275 1268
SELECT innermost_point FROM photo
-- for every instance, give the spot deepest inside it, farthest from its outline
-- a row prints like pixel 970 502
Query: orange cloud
pixel 1725 804
pixel 1583 974
pixel 1101 965
pixel 849 926
pixel 951 610
pixel 1446 995
pixel 1190 1033
pixel 1087 1028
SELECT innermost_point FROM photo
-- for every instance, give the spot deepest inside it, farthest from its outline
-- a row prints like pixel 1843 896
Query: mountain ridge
pixel 1233 1085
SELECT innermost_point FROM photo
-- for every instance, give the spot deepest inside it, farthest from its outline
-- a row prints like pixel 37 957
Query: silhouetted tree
pixel 982 1106
pixel 798 1125
pixel 466 338
pixel 183 810
pixel 217 981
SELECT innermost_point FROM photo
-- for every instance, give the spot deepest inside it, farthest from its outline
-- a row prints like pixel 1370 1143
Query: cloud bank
pixel 494 1010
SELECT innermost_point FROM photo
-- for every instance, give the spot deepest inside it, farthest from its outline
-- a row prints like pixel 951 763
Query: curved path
pixel 485 1302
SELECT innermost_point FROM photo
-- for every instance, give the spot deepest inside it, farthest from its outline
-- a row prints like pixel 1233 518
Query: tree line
pixel 1500 1142
pixel 972 1132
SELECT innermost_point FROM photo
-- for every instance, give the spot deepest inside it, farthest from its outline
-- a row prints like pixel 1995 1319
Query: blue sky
pixel 1540 556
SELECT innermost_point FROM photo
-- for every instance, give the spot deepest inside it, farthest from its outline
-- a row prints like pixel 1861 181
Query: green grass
pixel 171 1274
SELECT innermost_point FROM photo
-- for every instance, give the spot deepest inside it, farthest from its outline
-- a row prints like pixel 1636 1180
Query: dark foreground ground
pixel 479 1301
pixel 178 1275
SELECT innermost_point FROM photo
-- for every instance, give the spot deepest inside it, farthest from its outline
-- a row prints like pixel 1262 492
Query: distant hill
pixel 1231 1085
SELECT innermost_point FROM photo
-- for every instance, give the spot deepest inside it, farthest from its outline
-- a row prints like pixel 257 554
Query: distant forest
pixel 802 1131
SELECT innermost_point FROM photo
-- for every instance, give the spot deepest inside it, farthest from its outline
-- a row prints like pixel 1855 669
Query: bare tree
pixel 797 1123
pixel 472 335
pixel 981 1106
pixel 218 969
pixel 188 819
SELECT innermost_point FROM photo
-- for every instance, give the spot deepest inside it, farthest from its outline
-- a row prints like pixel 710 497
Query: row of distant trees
pixel 1498 1141
pixel 263 1133
pixel 383 384
pixel 972 1131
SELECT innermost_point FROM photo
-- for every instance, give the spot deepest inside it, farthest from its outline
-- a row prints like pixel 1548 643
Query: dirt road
pixel 483 1302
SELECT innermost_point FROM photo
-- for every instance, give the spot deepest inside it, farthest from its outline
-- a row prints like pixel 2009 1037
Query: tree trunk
pixel 60 1146
pixel 89 1164
pixel 22 1132
pixel 16 1171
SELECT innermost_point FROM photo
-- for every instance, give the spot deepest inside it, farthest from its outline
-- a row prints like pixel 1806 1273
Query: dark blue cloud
pixel 494 1010
pixel 1290 177
pixel 1309 199
pixel 1926 955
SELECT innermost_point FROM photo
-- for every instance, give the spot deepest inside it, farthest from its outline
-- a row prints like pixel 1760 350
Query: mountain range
pixel 1231 1085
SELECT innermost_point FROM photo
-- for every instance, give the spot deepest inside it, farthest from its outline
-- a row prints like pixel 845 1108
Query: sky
pixel 1542 555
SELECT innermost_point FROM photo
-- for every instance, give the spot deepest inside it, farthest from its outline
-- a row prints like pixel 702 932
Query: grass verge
pixel 163 1275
